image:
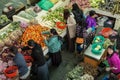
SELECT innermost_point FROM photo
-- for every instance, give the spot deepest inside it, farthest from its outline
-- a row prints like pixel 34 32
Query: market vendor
pixel 113 60
pixel 20 62
pixel 91 21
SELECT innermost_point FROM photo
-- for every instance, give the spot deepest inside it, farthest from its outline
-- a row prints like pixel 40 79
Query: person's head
pixel 31 43
pixel 66 14
pixel 53 31
pixel 92 13
pixel 110 49
pixel 112 38
pixel 13 50
pixel 75 6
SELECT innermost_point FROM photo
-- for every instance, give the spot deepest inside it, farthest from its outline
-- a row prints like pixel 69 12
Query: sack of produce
pixel 7 41
pixel 19 32
pixel 54 1
pixel 14 35
pixel 47 5
pixel 1 43
pixel 11 72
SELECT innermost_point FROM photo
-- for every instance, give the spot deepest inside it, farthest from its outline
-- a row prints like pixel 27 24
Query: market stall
pixel 31 24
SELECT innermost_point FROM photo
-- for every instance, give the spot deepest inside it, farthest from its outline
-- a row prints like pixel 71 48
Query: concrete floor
pixel 69 61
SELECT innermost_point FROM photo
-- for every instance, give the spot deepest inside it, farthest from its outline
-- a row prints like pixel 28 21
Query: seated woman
pixel 91 21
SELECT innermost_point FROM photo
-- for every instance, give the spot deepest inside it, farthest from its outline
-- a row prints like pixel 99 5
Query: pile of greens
pixel 3 19
pixel 54 16
pixel 75 74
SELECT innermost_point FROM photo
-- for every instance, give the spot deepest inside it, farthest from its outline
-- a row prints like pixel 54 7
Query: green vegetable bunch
pixel 3 19
pixel 75 74
pixel 54 16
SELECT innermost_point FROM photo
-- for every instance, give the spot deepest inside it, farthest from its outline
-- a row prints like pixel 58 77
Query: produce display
pixel 12 31
pixel 7 61
pixel 34 32
pixel 53 17
pixel 75 74
pixel 87 77
pixel 107 43
pixel 95 3
pixel 82 3
pixel 83 71
pixel 28 14
pixel 112 6
pixel 3 21
pixel 15 4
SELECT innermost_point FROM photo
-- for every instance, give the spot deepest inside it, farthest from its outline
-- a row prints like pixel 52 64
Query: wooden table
pixel 92 58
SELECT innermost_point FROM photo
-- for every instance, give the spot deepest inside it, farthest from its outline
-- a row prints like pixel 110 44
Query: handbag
pixel 79 40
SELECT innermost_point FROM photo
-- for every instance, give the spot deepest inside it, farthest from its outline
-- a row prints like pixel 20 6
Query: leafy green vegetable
pixel 54 16
pixel 3 19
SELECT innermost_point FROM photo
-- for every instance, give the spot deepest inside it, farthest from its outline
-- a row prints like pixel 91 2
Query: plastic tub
pixel 61 25
pixel 106 32
pixel 11 71
pixel 98 40
pixel 96 51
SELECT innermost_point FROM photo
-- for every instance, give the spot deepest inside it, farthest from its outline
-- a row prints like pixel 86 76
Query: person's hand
pixel 113 68
pixel 96 26
pixel 19 49
pixel 108 69
pixel 44 37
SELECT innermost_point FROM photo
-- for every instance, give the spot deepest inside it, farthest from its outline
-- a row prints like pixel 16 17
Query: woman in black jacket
pixel 39 60
pixel 78 13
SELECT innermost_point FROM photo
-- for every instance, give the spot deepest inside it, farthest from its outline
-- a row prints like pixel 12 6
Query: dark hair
pixel 31 43
pixel 92 12
pixel 112 37
pixel 111 47
pixel 66 14
pixel 13 49
pixel 53 31
pixel 75 6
